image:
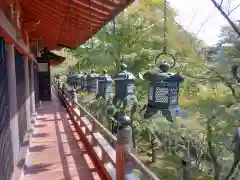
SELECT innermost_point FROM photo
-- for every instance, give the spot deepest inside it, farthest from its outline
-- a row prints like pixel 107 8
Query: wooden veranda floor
pixel 56 151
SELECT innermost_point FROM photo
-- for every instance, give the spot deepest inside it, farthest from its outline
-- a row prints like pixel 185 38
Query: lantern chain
pixel 90 13
pixel 165 27
pixel 165 40
pixel 121 56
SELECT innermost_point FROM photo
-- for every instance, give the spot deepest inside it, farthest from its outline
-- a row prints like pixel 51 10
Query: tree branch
pixel 229 85
pixel 233 9
pixel 220 5
pixel 204 22
pixel 234 26
pixel 193 18
pixel 231 171
pixel 211 148
pixel 209 140
pixel 138 36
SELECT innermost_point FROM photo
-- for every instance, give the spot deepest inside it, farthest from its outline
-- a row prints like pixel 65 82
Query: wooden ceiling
pixel 68 23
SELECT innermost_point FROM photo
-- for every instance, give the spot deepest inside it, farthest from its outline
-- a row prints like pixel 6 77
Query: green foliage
pixel 209 93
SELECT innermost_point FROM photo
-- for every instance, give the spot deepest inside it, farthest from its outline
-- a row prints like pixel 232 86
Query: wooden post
pixel 74 98
pixel 13 101
pixel 33 114
pixel 120 162
pixel 124 143
pixel 27 95
pixel 33 91
pixel 74 104
pixel 186 164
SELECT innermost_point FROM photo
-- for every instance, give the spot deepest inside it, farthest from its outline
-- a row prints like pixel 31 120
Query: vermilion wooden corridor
pixel 56 151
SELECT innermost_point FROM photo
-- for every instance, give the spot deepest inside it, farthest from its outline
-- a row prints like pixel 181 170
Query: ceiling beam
pixel 58 11
pixel 73 9
pixel 45 14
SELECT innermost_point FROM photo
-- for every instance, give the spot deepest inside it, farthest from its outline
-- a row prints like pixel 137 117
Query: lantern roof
pixel 162 76
pixel 93 74
pixel 51 57
pixel 79 75
pixel 125 74
pixel 105 77
pixel 55 59
pixel 64 23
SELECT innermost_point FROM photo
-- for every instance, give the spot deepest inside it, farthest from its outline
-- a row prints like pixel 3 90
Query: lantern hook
pixel 166 54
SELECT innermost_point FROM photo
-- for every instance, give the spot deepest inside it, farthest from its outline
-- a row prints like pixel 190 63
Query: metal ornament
pixel 236 142
pixel 104 86
pixel 92 82
pixel 124 131
pixel 236 72
pixel 57 76
pixel 163 93
pixel 84 82
pixel 78 79
pixel 163 88
pixel 71 78
pixel 124 87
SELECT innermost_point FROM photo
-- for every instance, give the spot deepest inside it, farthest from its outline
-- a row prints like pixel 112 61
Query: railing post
pixel 58 84
pixel 62 89
pixel 13 100
pixel 74 103
pixel 74 98
pixel 124 143
pixel 186 163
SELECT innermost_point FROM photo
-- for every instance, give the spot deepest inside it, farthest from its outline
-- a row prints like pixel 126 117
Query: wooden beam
pixel 87 5
pixel 48 12
pixel 73 10
pixel 11 35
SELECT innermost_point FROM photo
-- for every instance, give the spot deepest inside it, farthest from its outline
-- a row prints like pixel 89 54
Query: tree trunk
pixel 186 175
pixel 234 166
pixel 217 171
pixel 154 147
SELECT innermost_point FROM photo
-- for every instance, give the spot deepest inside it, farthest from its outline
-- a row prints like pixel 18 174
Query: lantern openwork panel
pixel 164 90
pixel 84 82
pixel 78 79
pixel 163 94
pixel 92 83
pixel 124 85
pixel 104 85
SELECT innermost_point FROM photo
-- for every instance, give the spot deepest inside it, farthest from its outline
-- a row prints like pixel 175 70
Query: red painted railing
pixel 115 162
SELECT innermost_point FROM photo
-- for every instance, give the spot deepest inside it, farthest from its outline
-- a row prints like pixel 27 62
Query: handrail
pixel 141 166
pixel 106 131
pixel 95 127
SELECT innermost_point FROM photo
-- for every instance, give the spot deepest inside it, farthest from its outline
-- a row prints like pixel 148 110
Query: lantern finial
pixel 105 71
pixel 123 67
pixel 164 67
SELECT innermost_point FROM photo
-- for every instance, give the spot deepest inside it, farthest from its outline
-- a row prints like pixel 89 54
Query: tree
pixel 208 93
pixel 226 13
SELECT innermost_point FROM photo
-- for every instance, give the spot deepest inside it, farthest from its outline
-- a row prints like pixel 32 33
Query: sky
pixel 200 10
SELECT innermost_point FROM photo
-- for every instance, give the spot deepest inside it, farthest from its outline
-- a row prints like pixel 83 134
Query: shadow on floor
pixel 40 125
pixel 77 153
pixel 38 135
pixel 35 169
pixel 38 148
pixel 69 157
